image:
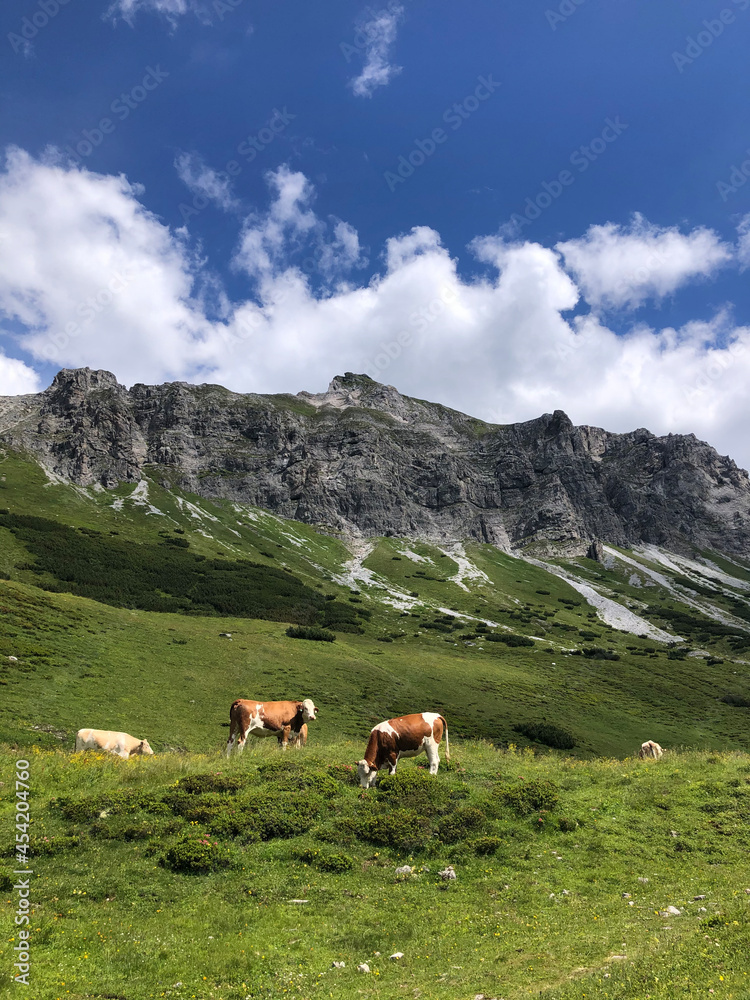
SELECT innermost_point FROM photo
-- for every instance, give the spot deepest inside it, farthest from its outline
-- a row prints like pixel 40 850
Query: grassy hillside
pixel 545 826
pixel 182 876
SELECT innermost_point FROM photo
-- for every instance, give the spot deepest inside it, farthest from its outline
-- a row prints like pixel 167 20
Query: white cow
pixel 122 744
pixel 650 749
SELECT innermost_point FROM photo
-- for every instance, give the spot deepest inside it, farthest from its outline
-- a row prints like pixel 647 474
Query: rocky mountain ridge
pixel 364 459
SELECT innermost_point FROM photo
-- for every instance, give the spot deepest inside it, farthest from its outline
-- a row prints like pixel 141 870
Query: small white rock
pixel 339 965
pixel 364 967
pixel 671 911
pixel 396 955
pixel 696 898
pixel 13 659
pixel 631 903
pixel 404 870
pixel 447 873
pixel 702 909
pixel 641 879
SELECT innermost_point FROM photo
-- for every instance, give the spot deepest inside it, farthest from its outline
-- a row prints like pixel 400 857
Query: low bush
pixel 454 827
pixel 738 700
pixel 485 845
pixel 195 855
pixel 547 733
pixel 335 864
pixel 597 653
pixel 529 796
pixel 313 632
pixel 196 784
pixel 403 829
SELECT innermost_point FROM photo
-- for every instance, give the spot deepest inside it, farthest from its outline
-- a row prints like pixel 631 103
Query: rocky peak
pixel 403 467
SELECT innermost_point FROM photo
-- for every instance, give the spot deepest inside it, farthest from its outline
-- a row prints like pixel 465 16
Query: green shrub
pixel 597 653
pixel 738 700
pixel 54 845
pixel 456 824
pixel 313 632
pixel 529 796
pixel 510 639
pixel 547 733
pixel 333 863
pixel 196 855
pixel 404 829
pixel 346 773
pixel 6 879
pixel 485 845
pixel 415 789
pixel 566 825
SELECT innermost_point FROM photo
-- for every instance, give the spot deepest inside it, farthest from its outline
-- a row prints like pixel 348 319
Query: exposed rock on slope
pixel 363 458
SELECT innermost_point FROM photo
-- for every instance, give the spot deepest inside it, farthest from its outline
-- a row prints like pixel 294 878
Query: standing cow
pixel 407 736
pixel 651 750
pixel 122 744
pixel 268 718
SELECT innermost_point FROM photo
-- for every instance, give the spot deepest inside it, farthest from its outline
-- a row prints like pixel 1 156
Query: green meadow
pixel 150 610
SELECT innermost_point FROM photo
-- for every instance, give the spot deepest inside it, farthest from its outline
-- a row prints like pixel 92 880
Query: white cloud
pixel 93 276
pixel 500 347
pixel 378 35
pixel 618 266
pixel 743 243
pixel 270 239
pixel 127 9
pixel 204 181
pixel 16 377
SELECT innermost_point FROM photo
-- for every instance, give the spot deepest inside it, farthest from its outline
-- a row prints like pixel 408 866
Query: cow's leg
pixel 431 749
pixel 284 737
pixel 392 761
pixel 243 739
pixel 230 742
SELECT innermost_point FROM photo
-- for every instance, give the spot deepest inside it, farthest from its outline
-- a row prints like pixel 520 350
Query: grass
pixel 543 913
pixel 180 868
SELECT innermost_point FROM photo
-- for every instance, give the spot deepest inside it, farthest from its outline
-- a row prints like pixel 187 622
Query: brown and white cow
pixel 407 736
pixel 650 749
pixel 122 744
pixel 268 718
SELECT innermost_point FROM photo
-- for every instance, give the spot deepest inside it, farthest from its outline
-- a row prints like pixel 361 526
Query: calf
pixel 268 718
pixel 650 749
pixel 122 744
pixel 407 736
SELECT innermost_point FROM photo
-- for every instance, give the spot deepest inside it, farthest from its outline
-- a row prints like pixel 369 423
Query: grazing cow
pixel 122 744
pixel 407 736
pixel 268 718
pixel 299 739
pixel 650 749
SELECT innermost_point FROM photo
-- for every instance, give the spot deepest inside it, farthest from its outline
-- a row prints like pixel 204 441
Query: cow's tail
pixel 447 744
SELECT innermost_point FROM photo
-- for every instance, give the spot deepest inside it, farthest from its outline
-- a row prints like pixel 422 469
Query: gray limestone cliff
pixel 362 458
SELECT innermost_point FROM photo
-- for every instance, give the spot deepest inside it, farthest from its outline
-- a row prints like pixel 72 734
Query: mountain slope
pixel 363 459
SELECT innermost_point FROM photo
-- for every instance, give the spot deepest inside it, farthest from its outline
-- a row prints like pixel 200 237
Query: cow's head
pixel 309 711
pixel 143 747
pixel 367 774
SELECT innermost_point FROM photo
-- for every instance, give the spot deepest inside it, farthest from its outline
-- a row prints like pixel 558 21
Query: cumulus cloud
pixel 127 9
pixel 270 240
pixel 623 267
pixel 93 277
pixel 204 181
pixel 503 346
pixel 376 38
pixel 17 378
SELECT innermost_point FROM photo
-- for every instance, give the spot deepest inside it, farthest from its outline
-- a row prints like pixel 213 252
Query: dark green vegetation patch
pixel 158 577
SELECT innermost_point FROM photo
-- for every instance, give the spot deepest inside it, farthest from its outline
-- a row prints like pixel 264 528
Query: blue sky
pixel 507 207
